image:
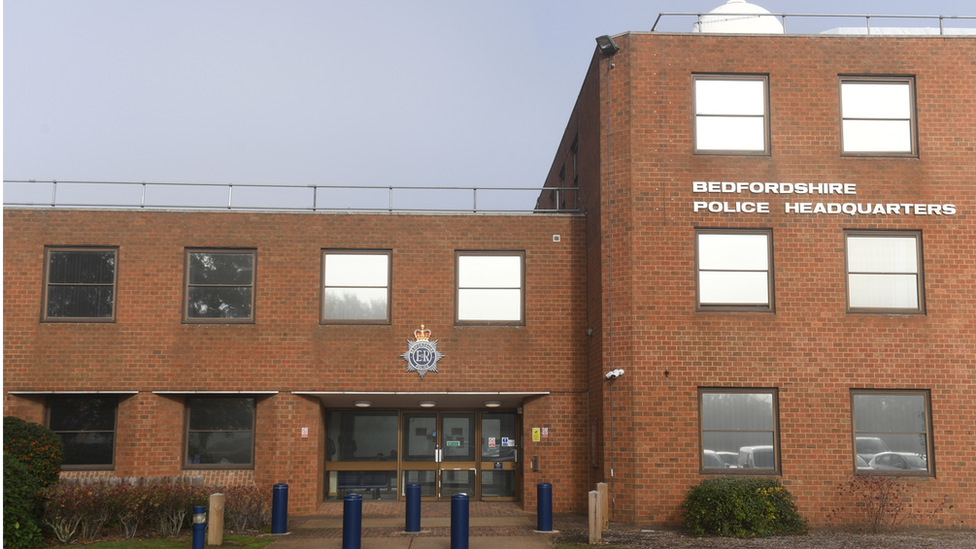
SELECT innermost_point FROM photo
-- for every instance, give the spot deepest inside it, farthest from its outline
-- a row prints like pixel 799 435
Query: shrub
pixel 20 529
pixel 742 507
pixel 36 446
pixel 883 503
pixel 247 507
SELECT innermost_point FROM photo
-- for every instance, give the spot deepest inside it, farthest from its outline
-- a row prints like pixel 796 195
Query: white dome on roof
pixel 738 17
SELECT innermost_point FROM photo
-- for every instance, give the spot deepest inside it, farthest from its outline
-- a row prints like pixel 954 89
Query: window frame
pixel 770 306
pixel 185 459
pixel 46 294
pixel 919 280
pixel 767 138
pixel 187 319
pixel 458 254
pixel 912 114
pixel 115 429
pixel 929 445
pixel 389 286
pixel 777 468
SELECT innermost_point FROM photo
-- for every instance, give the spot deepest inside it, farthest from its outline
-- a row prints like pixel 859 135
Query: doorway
pixel 447 453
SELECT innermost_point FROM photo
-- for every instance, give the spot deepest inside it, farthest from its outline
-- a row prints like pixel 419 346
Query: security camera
pixel 613 374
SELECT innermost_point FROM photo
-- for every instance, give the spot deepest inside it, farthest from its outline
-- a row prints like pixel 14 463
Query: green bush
pixel 20 529
pixel 742 507
pixel 38 447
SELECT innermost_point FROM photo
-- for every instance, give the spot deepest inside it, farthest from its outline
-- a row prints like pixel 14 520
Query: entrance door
pixel 439 451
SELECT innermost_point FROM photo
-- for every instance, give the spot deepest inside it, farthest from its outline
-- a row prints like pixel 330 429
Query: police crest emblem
pixel 422 355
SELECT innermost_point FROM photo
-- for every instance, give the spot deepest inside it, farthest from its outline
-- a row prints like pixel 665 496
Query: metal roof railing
pixel 270 197
pixel 867 17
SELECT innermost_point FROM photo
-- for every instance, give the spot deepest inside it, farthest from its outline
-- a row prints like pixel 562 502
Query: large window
pixel 892 432
pixel 86 425
pixel 80 284
pixel 731 114
pixel 739 430
pixel 877 116
pixel 219 286
pixel 356 287
pixel 220 432
pixel 734 270
pixel 490 288
pixel 884 271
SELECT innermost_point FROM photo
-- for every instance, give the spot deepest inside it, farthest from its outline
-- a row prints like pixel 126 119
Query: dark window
pixel 356 287
pixel 220 432
pixel 892 432
pixel 219 286
pixel 86 425
pixel 80 285
pixel 739 431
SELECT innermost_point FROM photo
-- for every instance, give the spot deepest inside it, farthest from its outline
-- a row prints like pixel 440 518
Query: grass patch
pixel 240 542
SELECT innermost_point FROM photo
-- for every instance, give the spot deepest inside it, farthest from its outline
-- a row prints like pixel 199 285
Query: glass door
pixel 499 456
pixel 439 452
pixel 459 471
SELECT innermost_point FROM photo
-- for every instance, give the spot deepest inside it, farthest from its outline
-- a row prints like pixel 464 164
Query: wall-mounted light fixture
pixel 607 45
pixel 492 403
pixel 427 403
pixel 363 403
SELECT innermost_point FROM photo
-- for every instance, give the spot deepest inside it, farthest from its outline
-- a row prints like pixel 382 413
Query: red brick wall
pixel 810 348
pixel 149 349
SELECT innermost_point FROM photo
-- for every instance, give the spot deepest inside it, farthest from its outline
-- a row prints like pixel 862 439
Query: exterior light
pixel 363 403
pixel 492 403
pixel 607 45
pixel 427 403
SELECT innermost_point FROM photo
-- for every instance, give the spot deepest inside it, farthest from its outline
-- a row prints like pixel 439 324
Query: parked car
pixel 868 447
pixel 898 461
pixel 756 457
pixel 731 459
pixel 710 460
pixel 862 464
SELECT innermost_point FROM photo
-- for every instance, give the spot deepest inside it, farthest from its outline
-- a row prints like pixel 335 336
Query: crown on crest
pixel 422 334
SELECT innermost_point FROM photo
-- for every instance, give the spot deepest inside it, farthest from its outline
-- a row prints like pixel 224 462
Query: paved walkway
pixel 384 523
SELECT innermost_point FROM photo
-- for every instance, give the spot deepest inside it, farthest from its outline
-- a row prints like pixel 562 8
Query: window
pixel 740 428
pixel 80 285
pixel 86 425
pixel 877 116
pixel 892 432
pixel 356 287
pixel 731 114
pixel 220 432
pixel 884 272
pixel 489 288
pixel 219 286
pixel 734 270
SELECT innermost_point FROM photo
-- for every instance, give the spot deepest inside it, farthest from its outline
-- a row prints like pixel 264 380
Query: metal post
pixel 544 492
pixel 199 525
pixel 352 521
pixel 459 521
pixel 413 507
pixel 279 509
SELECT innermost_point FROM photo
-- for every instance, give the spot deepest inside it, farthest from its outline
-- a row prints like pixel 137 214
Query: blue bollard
pixel 544 492
pixel 413 507
pixel 352 521
pixel 279 509
pixel 199 525
pixel 459 521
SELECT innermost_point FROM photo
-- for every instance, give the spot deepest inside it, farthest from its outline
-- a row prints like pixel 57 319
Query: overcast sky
pixel 443 93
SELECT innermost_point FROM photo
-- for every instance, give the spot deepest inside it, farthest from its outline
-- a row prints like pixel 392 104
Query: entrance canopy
pixel 413 399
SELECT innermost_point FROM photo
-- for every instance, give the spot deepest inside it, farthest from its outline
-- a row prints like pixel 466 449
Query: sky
pixel 366 93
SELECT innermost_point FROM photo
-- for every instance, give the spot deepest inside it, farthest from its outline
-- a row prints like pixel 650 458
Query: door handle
pixel 437 455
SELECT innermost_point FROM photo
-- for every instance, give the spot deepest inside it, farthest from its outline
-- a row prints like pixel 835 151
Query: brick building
pixel 769 237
